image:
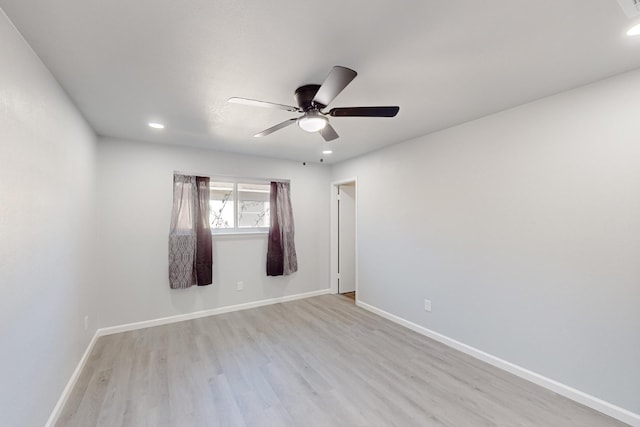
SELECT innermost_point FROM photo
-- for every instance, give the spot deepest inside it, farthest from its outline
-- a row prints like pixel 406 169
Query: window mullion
pixel 236 226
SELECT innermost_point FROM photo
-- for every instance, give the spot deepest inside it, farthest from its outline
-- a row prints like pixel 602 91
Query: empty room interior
pixel 319 213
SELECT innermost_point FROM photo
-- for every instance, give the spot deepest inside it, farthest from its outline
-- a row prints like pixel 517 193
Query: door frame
pixel 334 233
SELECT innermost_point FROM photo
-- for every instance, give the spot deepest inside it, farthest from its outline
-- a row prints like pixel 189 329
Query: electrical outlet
pixel 86 322
pixel 239 286
pixel 427 305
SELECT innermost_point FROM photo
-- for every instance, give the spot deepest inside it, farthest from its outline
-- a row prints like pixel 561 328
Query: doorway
pixel 344 254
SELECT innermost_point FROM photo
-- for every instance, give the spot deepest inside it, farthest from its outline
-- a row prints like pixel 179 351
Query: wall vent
pixel 631 8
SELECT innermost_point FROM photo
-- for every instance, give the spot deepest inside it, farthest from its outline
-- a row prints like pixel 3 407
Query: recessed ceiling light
pixel 327 151
pixel 634 31
pixel 156 125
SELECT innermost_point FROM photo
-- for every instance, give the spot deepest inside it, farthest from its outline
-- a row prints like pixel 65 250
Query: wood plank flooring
pixel 316 362
pixel 351 295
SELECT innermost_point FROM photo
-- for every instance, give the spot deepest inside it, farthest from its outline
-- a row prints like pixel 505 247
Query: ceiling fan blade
pixel 328 133
pixel 275 128
pixel 264 104
pixel 364 112
pixel 336 81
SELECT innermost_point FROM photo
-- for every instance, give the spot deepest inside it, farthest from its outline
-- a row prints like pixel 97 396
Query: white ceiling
pixel 126 63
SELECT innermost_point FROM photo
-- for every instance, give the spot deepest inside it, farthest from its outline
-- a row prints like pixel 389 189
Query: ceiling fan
pixel 312 99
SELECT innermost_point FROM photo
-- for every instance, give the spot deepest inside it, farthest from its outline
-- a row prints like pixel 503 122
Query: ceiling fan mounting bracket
pixel 304 98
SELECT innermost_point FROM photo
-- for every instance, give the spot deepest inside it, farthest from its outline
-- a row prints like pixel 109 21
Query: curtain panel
pixel 190 246
pixel 281 250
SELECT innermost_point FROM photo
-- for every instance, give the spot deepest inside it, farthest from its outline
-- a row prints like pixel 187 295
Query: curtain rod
pixel 231 177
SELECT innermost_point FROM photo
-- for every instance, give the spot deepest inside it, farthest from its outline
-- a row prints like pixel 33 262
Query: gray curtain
pixel 190 260
pixel 281 252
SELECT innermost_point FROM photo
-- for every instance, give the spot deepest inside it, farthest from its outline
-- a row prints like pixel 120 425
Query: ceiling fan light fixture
pixel 312 122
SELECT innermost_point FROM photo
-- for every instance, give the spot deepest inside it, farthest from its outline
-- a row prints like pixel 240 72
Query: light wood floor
pixel 315 362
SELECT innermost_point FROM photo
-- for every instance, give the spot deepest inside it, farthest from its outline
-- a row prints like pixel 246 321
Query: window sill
pixel 236 233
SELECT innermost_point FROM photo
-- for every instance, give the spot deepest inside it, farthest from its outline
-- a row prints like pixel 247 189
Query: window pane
pixel 253 205
pixel 221 205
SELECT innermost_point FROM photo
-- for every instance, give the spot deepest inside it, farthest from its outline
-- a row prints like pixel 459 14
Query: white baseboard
pixel 599 405
pixel 205 313
pixel 57 410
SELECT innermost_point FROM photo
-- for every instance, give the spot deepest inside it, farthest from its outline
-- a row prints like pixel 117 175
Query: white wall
pixel 523 228
pixel 46 198
pixel 135 188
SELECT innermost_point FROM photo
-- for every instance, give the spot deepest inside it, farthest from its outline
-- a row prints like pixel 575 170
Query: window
pixel 253 205
pixel 239 206
pixel 221 205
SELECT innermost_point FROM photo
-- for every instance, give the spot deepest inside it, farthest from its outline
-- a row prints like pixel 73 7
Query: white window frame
pixel 236 229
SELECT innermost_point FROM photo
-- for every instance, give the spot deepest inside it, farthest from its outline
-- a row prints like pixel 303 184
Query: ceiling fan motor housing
pixel 304 97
